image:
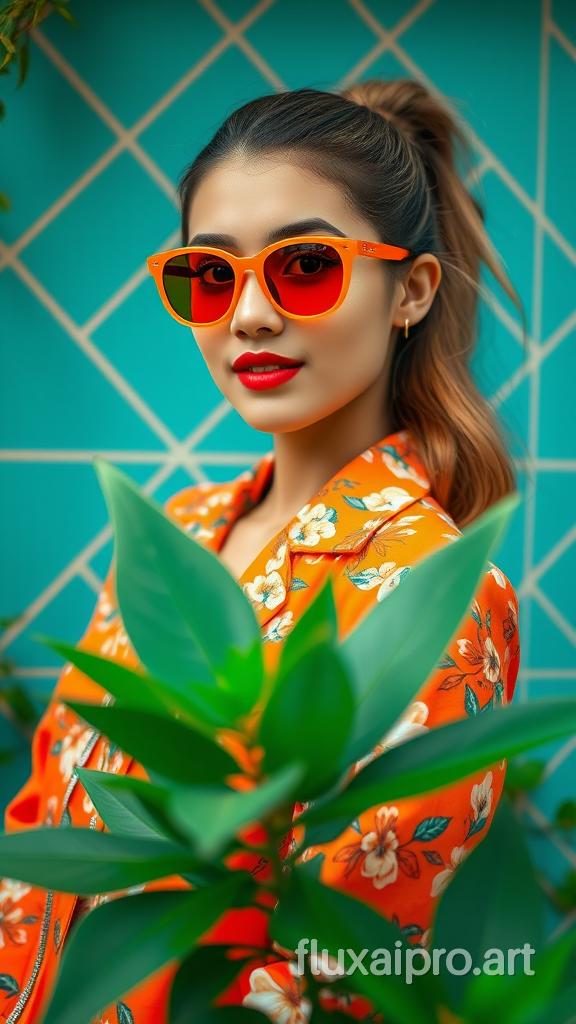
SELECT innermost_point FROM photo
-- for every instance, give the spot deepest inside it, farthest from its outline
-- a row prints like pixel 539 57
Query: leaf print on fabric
pixel 11 915
pixel 124 1014
pixel 266 591
pixel 400 466
pixel 431 828
pixel 314 522
pixel 282 1002
pixel 9 985
pixel 298 584
pixel 440 881
pixel 386 577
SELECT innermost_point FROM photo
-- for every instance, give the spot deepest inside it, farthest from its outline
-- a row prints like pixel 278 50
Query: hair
pixel 390 146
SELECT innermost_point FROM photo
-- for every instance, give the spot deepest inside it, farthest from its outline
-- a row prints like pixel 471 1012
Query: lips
pixel 263 362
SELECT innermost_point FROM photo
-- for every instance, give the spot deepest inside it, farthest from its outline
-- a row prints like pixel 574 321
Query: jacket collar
pixel 341 517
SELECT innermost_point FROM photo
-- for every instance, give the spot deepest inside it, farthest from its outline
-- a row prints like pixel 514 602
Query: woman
pixel 383 451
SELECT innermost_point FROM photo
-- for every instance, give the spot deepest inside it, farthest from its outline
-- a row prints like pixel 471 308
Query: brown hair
pixel 390 145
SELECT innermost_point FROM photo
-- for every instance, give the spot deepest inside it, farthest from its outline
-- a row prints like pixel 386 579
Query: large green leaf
pixel 308 718
pixel 543 996
pixel 180 606
pixel 212 815
pixel 83 861
pixel 309 909
pixel 446 753
pixel 317 626
pixel 130 807
pixel 165 745
pixel 202 704
pixel 122 942
pixel 393 650
pixel 492 900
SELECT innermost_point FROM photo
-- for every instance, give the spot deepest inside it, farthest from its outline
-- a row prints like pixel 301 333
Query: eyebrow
pixel 298 227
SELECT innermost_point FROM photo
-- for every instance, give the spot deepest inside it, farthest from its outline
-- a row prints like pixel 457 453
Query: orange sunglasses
pixel 305 276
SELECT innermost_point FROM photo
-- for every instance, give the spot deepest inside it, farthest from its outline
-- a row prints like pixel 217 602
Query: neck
pixel 305 459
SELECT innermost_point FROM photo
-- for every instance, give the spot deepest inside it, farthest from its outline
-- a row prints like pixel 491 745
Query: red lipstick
pixel 261 370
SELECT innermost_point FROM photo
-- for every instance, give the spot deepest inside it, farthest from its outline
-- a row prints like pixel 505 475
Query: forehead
pixel 248 200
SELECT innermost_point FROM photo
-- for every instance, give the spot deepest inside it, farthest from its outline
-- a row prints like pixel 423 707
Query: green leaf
pixel 180 606
pixel 317 627
pixel 163 744
pixel 447 753
pixel 308 718
pixel 128 806
pixel 309 909
pixel 565 816
pixel 534 998
pixel 390 660
pixel 211 815
pixel 522 776
pixel 83 861
pixel 204 706
pixel 123 941
pixel 203 975
pixel 492 900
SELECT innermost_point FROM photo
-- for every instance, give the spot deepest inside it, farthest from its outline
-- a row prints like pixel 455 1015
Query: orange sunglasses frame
pixel 349 249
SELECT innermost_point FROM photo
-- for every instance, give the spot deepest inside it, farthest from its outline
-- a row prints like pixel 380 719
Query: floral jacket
pixel 367 526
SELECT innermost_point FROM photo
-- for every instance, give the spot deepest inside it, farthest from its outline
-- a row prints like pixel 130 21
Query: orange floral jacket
pixel 366 527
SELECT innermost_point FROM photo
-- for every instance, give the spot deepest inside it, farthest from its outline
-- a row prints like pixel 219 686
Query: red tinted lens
pixel 305 277
pixel 199 286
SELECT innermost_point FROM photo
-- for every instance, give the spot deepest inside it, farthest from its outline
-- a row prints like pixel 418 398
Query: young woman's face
pixel 346 353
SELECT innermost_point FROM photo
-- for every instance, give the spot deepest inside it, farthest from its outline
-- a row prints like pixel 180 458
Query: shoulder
pixel 406 538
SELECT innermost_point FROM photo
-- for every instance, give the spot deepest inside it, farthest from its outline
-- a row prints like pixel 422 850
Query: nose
pixel 254 309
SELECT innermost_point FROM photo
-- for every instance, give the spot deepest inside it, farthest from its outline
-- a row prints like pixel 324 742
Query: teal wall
pixel 92 145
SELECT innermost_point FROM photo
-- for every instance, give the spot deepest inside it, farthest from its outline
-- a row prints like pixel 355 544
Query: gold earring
pixel 406 325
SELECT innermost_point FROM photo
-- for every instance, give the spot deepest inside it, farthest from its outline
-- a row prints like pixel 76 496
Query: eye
pixel 310 258
pixel 222 272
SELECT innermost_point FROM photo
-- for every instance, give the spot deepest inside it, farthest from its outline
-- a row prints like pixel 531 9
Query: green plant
pixel 523 777
pixel 203 673
pixel 17 19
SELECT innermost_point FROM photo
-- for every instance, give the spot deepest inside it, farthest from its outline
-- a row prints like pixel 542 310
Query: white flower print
pixel 498 576
pixel 11 892
pixel 381 864
pixel 213 501
pixel 403 471
pixel 314 522
pixel 410 724
pixel 279 627
pixel 277 561
pixel 73 744
pixel 118 640
pixel 491 661
pixel 440 881
pixel 266 591
pixel 388 498
pixel 386 577
pixel 283 1004
pixel 481 797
